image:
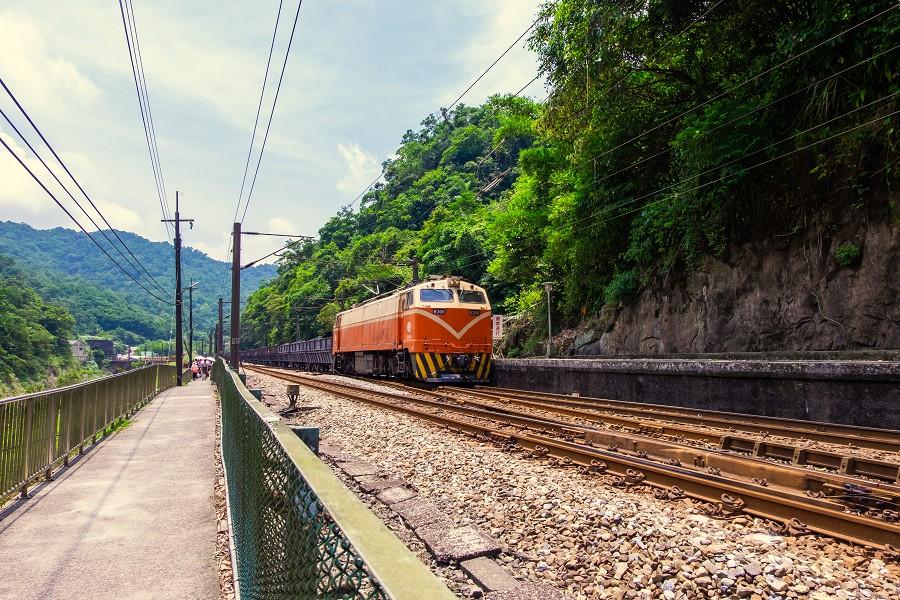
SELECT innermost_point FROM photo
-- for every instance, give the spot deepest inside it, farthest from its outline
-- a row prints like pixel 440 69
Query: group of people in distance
pixel 201 367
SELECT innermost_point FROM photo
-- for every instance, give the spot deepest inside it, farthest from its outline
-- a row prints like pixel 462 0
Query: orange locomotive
pixel 438 330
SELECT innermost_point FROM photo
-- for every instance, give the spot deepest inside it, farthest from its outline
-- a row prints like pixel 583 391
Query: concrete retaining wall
pixel 864 393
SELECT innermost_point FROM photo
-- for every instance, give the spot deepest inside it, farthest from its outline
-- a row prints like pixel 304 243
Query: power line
pixel 146 90
pixel 757 108
pixel 262 148
pixel 769 70
pixel 74 220
pixel 718 167
pixel 72 177
pixel 262 92
pixel 491 66
pixel 460 97
pixel 738 86
pixel 146 116
pixel 77 203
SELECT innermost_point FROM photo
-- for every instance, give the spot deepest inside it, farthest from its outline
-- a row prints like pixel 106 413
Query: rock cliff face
pixel 781 293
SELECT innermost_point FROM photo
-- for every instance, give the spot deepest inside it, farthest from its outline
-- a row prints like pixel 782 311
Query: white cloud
pixel 35 72
pixel 362 168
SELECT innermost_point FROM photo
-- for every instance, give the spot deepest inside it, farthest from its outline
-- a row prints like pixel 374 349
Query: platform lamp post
pixel 548 285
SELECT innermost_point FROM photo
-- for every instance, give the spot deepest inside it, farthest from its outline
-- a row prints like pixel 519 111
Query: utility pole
pixel 179 341
pixel 548 285
pixel 414 261
pixel 220 333
pixel 190 290
pixel 209 347
pixel 236 298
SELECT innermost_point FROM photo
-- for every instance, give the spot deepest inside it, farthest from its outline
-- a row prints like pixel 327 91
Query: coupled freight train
pixel 436 331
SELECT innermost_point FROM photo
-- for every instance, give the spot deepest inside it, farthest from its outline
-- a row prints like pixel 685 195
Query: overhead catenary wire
pixel 262 148
pixel 268 124
pixel 718 179
pixel 131 42
pixel 753 110
pixel 724 93
pixel 74 220
pixel 134 259
pixel 460 97
pixel 77 203
pixel 766 71
pixel 262 93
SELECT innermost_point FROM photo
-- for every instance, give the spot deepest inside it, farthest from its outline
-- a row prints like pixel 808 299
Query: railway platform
pixel 132 518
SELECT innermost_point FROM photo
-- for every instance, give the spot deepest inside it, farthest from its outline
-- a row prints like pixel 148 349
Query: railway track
pixel 846 435
pixel 801 500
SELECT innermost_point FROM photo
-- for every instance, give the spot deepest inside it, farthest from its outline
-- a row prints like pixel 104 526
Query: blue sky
pixel 360 74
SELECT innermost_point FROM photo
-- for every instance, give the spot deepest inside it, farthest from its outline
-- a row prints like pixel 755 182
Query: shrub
pixel 848 254
pixel 621 287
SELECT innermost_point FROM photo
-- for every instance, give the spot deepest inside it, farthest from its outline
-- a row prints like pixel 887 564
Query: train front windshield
pixel 435 295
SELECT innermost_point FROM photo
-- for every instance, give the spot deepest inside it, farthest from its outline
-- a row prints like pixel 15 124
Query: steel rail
pixel 864 437
pixel 749 468
pixel 847 465
pixel 798 513
pixel 725 439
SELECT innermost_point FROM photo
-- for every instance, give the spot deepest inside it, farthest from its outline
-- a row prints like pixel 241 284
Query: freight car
pixel 309 355
pixel 437 331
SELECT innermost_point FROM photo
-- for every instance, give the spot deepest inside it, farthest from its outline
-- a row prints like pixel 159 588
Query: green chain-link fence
pixel 297 531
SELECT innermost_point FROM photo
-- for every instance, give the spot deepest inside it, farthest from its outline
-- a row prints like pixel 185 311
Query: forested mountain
pixel 34 334
pixel 703 176
pixel 65 268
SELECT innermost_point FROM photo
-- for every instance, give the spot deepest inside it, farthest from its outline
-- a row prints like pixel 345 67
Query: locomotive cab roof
pixel 432 281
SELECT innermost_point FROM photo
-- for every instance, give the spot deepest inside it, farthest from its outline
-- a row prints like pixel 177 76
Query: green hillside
pixel 34 334
pixel 65 268
pixel 674 130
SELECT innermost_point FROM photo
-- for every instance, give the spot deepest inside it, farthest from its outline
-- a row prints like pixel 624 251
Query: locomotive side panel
pixel 370 327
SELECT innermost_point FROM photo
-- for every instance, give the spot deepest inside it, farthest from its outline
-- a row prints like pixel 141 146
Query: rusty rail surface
pixel 835 433
pixel 724 496
pixel 41 431
pixel 793 451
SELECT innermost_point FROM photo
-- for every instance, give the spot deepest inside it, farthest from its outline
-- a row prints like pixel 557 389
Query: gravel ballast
pixel 575 531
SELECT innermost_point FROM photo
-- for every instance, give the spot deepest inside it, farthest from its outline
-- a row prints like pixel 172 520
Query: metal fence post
pixel 29 416
pixel 52 422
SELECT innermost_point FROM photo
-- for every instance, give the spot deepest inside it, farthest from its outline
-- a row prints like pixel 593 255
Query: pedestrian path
pixel 133 518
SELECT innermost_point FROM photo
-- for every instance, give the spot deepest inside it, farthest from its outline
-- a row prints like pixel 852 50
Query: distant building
pixel 106 346
pixel 79 350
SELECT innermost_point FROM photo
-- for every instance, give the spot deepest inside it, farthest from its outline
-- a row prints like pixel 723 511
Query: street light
pixel 548 285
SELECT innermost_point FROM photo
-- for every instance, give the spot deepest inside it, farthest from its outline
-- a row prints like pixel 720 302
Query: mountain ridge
pixel 67 268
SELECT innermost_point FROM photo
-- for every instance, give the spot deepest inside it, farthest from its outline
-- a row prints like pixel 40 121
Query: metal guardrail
pixel 40 431
pixel 297 531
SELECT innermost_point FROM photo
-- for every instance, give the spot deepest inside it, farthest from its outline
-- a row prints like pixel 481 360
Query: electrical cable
pixel 746 114
pixel 722 178
pixel 74 220
pixel 262 92
pixel 738 86
pixel 460 97
pixel 72 177
pixel 163 205
pixel 63 186
pixel 146 89
pixel 262 148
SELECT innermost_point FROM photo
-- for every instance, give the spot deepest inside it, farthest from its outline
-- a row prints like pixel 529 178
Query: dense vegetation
pixel 34 334
pixel 65 268
pixel 673 130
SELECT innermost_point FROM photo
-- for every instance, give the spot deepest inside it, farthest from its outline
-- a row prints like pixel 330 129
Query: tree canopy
pixel 672 130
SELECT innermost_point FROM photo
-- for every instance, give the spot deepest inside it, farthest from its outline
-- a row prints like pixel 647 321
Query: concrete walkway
pixel 133 518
